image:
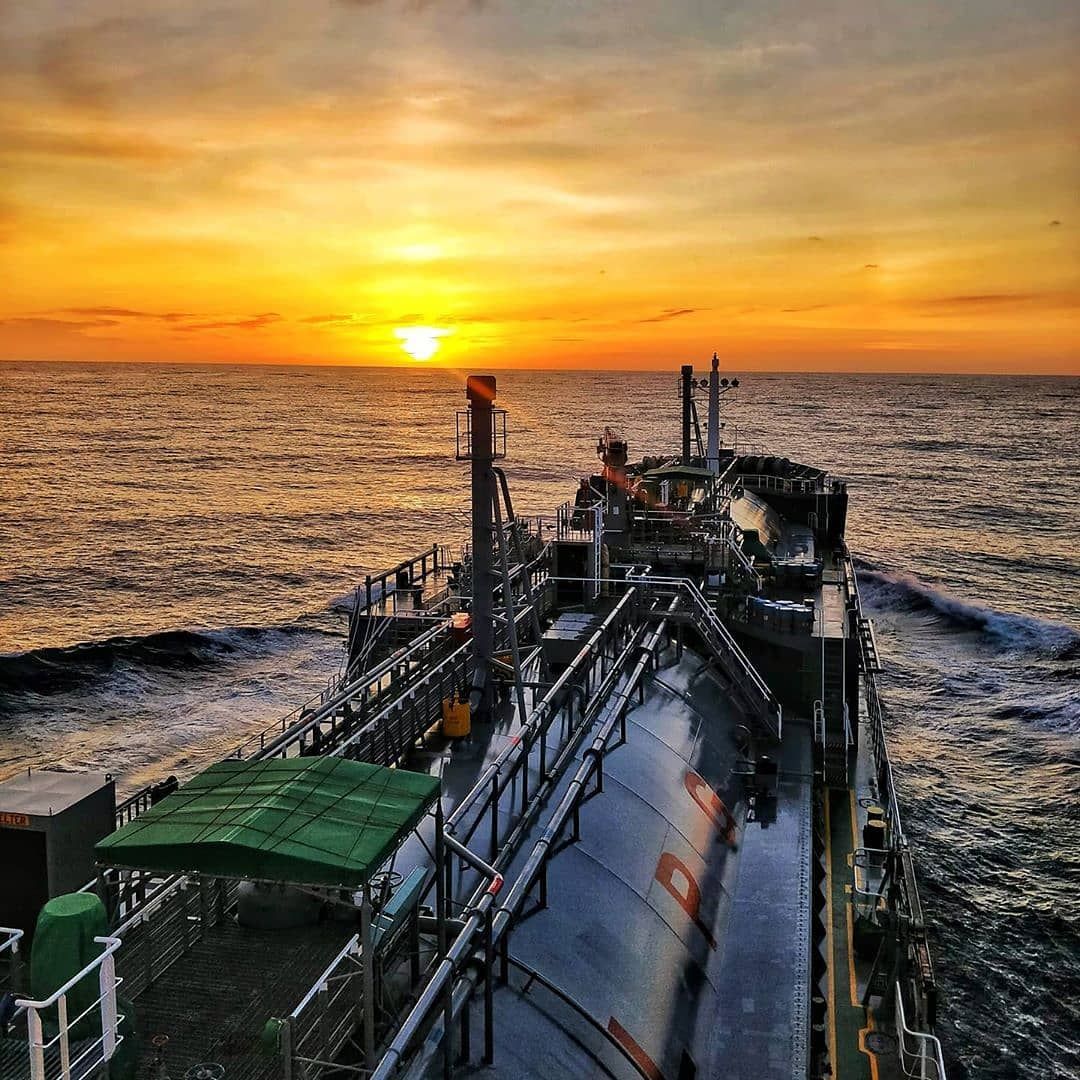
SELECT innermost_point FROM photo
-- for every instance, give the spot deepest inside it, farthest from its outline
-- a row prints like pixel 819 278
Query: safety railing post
pixel 65 1044
pixel 367 958
pixel 286 1045
pixel 107 985
pixel 37 1045
pixel 489 992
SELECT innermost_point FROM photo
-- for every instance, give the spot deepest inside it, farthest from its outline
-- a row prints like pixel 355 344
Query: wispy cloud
pixel 985 300
pixel 91 145
pixel 53 326
pixel 332 320
pixel 252 322
pixel 130 313
pixel 670 313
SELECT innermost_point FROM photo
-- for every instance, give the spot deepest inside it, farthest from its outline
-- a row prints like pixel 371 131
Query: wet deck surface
pixel 214 1001
pixel 668 932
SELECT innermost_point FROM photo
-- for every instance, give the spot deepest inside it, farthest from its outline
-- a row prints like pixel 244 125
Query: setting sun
pixel 420 342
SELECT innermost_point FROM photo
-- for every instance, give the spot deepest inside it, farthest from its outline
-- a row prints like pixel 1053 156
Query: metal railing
pixel 573 522
pixel 616 656
pixel 868 872
pixel 787 485
pixel 919 1051
pixel 874 711
pixel 65 1055
pixel 172 919
pixel 736 663
pixel 326 1017
pixel 901 864
pixel 9 939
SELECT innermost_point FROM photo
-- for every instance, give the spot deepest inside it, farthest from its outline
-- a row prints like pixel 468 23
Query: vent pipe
pixel 480 391
pixel 713 455
pixel 687 409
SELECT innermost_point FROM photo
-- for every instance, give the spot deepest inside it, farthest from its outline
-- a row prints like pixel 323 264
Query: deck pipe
pixel 505 913
pixel 441 980
pixel 687 409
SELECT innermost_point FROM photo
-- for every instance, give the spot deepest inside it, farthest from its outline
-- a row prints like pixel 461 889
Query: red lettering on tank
pixel 712 804
pixel 679 880
pixel 633 1048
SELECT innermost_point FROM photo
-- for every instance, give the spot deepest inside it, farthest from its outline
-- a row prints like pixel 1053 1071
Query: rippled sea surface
pixel 178 547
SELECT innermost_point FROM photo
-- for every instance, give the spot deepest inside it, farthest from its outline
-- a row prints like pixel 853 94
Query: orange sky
pixel 823 184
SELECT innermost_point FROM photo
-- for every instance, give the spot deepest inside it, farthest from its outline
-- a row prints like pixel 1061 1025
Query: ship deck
pixel 665 941
pixel 210 1019
pixel 862 1047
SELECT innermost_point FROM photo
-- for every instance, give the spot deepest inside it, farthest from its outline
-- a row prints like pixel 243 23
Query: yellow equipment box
pixel 456 721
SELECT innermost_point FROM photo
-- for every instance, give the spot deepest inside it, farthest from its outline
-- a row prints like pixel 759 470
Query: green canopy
pixel 305 821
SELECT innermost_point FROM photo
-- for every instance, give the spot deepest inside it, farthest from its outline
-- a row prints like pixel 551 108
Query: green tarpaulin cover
pixel 305 821
pixel 63 945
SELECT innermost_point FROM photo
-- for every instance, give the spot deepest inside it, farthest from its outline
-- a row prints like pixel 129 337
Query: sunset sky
pixel 829 184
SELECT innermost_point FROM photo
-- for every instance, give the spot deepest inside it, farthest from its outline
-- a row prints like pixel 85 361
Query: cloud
pixel 51 326
pixel 870 266
pixel 988 304
pixel 81 144
pixel 129 313
pixel 252 322
pixel 1054 223
pixel 669 313
pixel 984 300
pixel 328 320
pixel 811 307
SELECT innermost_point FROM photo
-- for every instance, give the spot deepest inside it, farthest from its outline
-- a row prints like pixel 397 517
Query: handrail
pixel 105 1002
pixel 445 978
pixel 152 902
pixel 924 1062
pixel 352 948
pixel 111 945
pixel 577 1007
pixel 11 939
pixel 874 710
pixel 353 689
pixel 710 622
pixel 540 712
pixel 818 485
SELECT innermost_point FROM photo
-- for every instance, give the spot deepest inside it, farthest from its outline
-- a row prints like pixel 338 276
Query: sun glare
pixel 420 342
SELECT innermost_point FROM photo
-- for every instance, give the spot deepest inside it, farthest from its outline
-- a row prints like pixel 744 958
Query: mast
pixel 713 455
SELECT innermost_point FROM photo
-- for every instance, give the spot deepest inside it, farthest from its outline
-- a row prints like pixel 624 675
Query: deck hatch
pixel 305 821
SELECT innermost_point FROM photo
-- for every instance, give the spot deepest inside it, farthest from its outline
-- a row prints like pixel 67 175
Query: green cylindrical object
pixel 63 945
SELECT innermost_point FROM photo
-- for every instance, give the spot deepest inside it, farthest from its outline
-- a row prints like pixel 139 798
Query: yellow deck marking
pixel 829 935
pixel 851 952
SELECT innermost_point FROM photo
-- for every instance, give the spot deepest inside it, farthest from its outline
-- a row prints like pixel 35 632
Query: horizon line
pixel 437 366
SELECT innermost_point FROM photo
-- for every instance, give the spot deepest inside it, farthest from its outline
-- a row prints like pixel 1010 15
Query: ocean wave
pixel 1055 712
pixel 49 670
pixel 1006 629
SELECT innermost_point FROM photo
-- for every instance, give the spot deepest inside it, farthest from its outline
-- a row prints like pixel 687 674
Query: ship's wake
pixel 1006 630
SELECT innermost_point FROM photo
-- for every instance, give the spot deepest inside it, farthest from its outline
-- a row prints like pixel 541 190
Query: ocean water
pixel 178 547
